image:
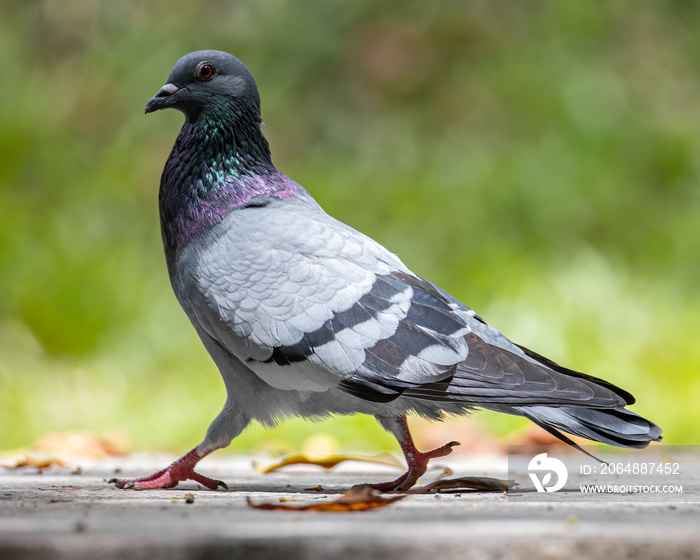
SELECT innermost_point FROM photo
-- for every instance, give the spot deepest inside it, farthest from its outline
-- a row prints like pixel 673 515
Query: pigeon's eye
pixel 205 71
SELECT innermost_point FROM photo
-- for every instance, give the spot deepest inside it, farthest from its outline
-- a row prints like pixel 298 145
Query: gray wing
pixel 420 361
pixel 308 304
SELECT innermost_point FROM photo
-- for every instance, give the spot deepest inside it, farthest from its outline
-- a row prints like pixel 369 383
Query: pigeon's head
pixel 206 79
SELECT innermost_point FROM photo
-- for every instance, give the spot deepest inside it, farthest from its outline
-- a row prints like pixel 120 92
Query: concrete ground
pixel 64 513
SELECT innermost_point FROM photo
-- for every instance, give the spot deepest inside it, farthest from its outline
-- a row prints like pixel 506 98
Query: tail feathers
pixel 617 426
pixel 628 397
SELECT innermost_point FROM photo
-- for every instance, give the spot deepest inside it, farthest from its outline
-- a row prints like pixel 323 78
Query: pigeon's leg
pixel 417 461
pixel 223 429
pixel 182 469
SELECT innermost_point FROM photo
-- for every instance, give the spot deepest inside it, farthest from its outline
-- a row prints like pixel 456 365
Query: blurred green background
pixel 539 160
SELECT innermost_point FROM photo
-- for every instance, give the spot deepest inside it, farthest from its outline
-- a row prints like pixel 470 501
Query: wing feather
pixel 309 304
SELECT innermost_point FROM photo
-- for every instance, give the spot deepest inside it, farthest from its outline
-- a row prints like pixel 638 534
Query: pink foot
pixel 417 465
pixel 182 469
pixel 417 461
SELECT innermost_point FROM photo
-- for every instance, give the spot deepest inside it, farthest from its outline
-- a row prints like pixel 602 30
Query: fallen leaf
pixel 79 443
pixel 359 498
pixel 284 499
pixel 327 463
pixel 468 482
pixel 60 447
pixel 28 461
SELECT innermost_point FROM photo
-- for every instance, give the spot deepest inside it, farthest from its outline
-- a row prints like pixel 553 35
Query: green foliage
pixel 539 160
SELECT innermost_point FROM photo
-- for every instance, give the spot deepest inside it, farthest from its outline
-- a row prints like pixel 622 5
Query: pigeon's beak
pixel 162 99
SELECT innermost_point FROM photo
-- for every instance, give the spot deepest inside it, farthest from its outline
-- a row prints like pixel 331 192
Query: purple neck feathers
pixel 212 170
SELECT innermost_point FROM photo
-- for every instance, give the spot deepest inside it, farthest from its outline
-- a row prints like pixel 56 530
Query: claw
pixel 120 483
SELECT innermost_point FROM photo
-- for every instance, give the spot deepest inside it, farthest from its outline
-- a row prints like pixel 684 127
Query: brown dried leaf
pixel 80 443
pixel 327 463
pixel 465 482
pixel 358 498
pixel 27 461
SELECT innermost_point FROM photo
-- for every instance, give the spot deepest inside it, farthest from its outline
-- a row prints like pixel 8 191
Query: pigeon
pixel 305 316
